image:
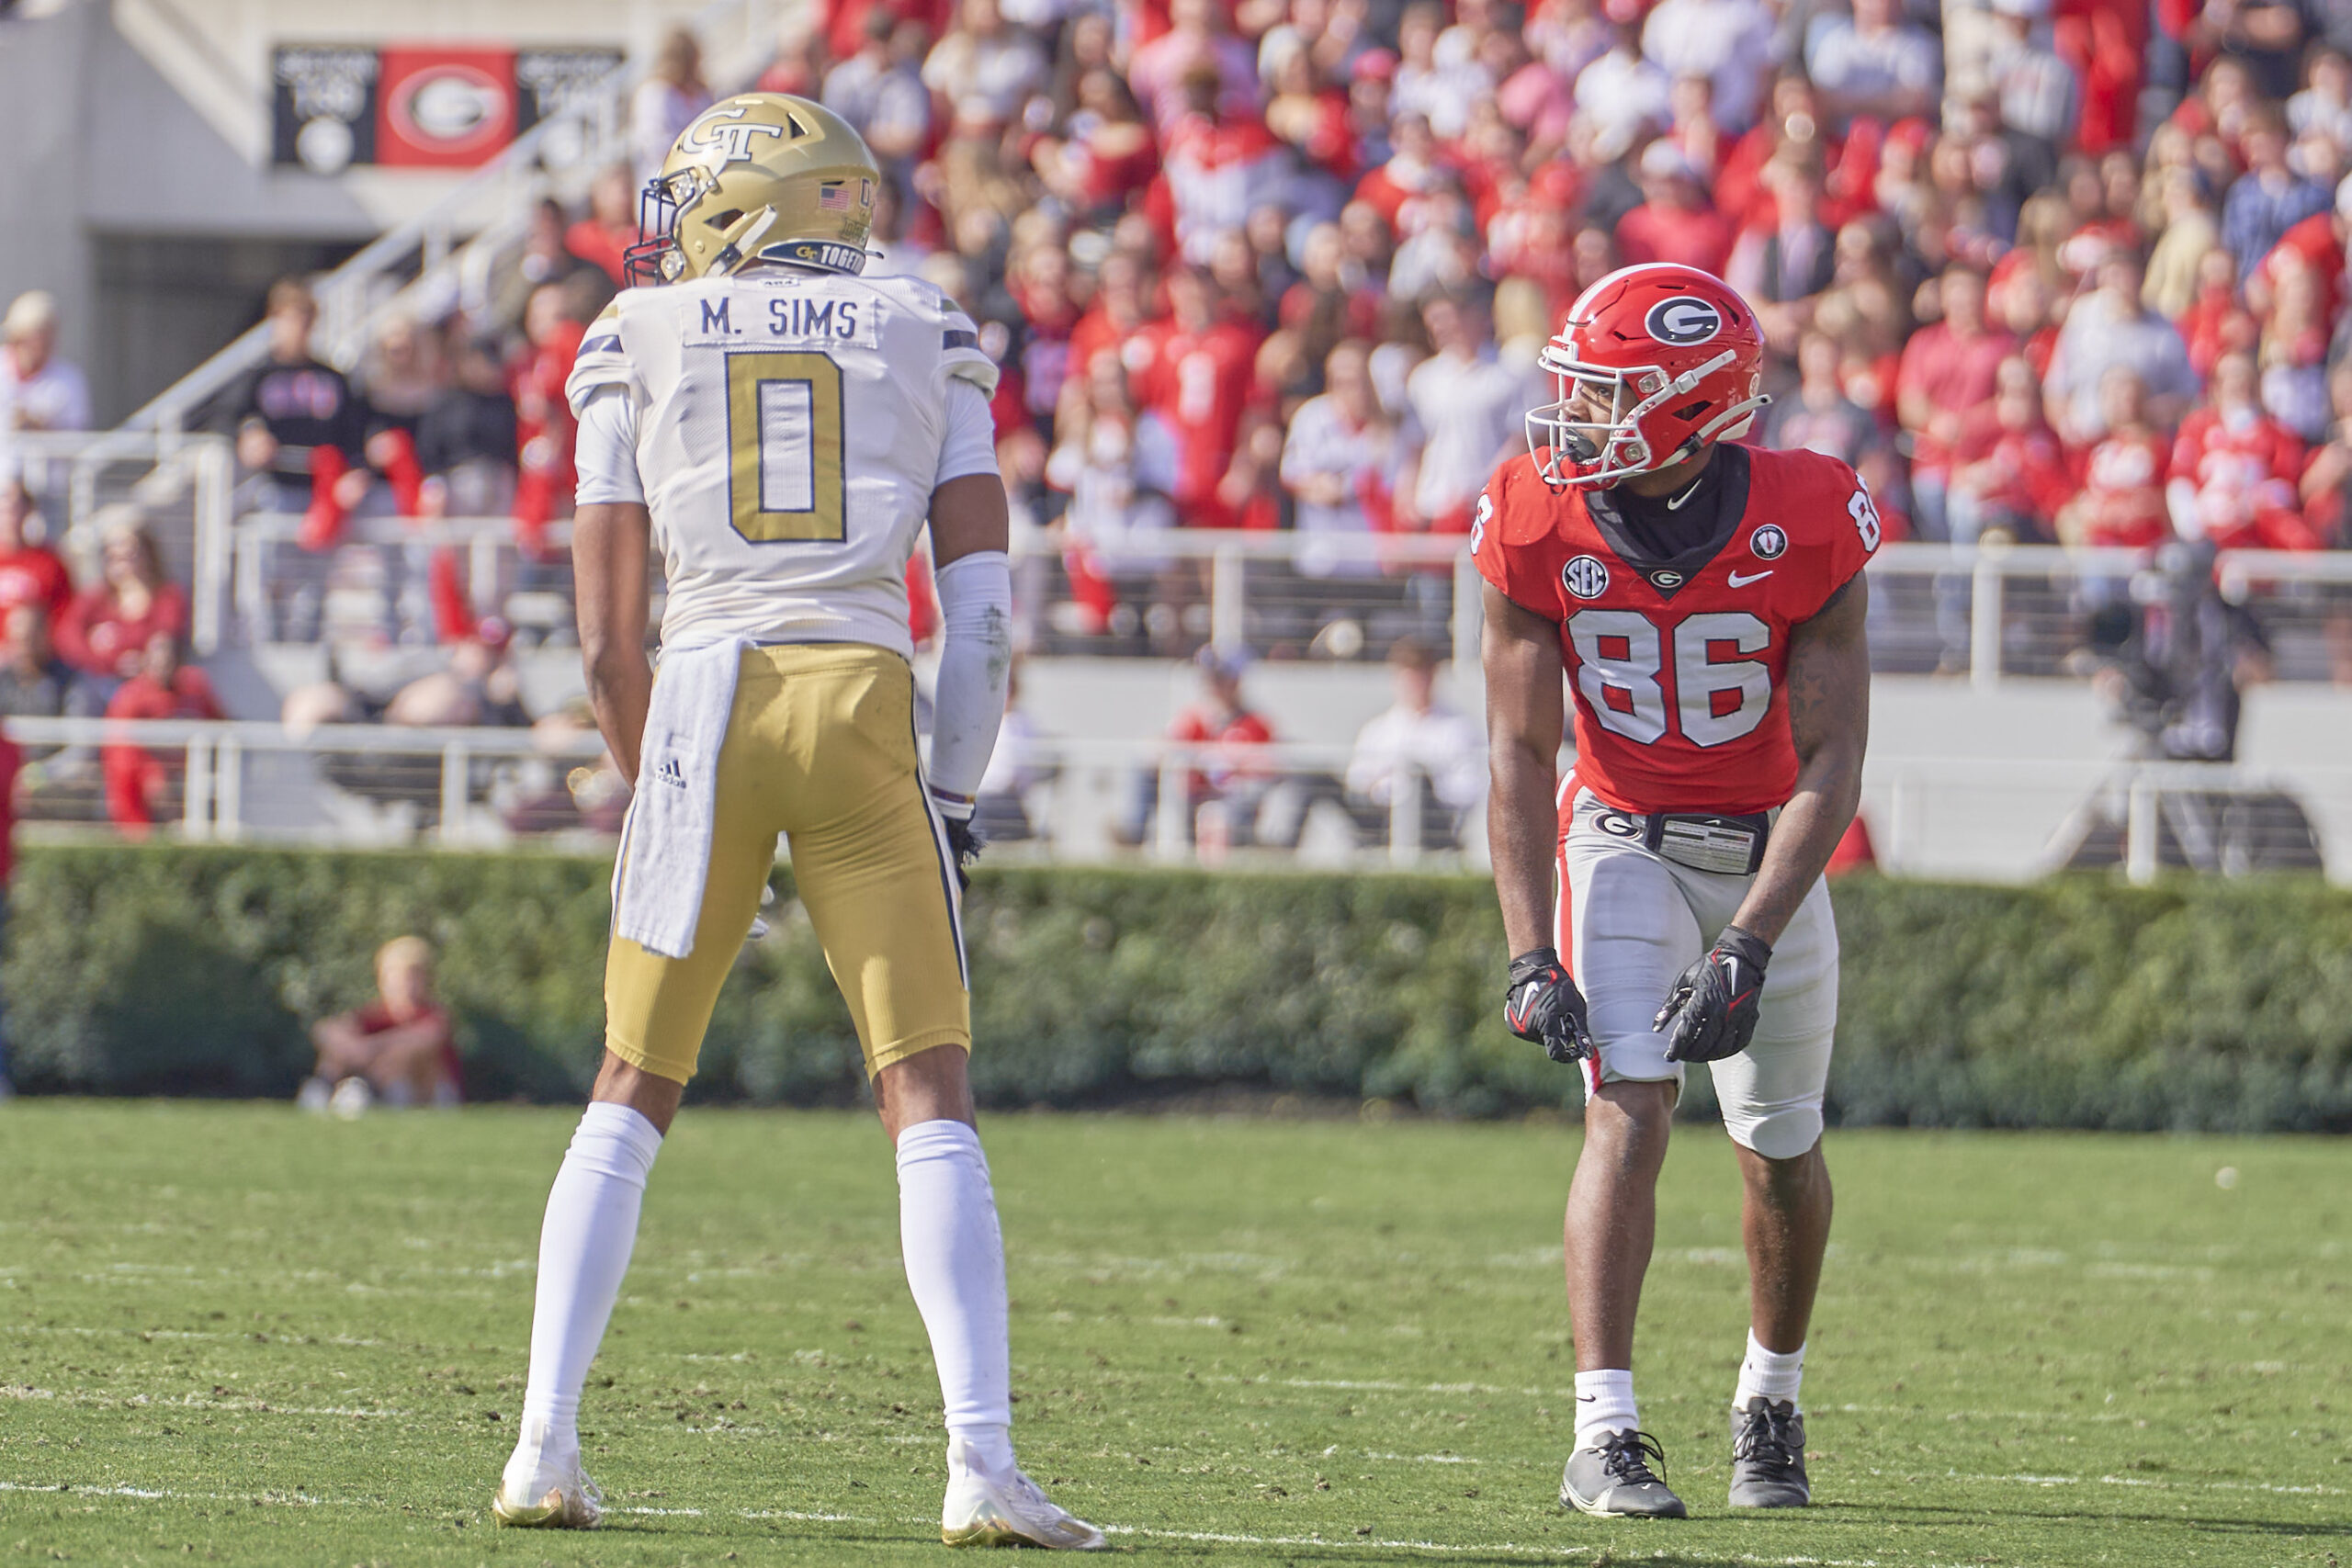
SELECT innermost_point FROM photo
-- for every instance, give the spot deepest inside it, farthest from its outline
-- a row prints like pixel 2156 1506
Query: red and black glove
pixel 1714 1003
pixel 1542 1004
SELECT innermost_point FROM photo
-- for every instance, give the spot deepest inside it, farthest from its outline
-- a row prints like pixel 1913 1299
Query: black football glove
pixel 963 840
pixel 1543 1005
pixel 1714 1002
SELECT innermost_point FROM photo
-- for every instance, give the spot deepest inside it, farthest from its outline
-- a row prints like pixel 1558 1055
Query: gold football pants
pixel 820 747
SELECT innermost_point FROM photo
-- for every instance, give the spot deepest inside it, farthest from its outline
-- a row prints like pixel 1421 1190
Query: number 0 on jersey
pixel 784 435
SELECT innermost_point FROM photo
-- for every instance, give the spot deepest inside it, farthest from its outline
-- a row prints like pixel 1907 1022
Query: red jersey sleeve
pixel 1513 539
pixel 1840 528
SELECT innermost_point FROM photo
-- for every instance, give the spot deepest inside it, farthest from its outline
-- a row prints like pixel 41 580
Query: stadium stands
pixel 1266 278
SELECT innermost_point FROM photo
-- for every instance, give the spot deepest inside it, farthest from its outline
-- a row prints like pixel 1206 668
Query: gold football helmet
pixel 758 177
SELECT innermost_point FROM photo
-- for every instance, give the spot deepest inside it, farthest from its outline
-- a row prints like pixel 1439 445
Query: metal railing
pixel 183 488
pixel 356 784
pixel 1086 801
pixel 1990 612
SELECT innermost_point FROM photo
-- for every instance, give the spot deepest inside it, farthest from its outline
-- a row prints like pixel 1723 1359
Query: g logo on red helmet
pixel 1683 322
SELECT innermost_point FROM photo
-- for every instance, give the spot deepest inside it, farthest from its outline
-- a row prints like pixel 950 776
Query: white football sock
pixel 1604 1405
pixel 1775 1375
pixel 955 1258
pixel 584 1244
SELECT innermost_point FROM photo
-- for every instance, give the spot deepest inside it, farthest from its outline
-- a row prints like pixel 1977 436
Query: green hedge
pixel 2077 1003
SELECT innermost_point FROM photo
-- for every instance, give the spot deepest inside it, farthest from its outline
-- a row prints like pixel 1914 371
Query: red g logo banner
pixel 447 109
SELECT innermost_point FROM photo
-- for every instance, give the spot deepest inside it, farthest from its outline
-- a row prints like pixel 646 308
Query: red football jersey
pixel 1678 677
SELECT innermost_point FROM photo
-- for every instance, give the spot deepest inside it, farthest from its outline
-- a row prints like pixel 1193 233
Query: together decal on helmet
pixel 1654 364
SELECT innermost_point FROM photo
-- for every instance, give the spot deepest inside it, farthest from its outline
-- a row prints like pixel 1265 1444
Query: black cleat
pixel 1768 1456
pixel 1614 1480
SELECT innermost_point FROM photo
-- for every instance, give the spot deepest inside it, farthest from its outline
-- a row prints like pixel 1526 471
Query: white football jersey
pixel 790 431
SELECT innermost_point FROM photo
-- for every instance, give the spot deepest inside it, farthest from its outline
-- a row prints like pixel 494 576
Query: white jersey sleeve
pixel 791 427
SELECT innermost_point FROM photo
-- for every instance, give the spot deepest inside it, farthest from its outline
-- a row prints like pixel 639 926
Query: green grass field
pixel 238 1334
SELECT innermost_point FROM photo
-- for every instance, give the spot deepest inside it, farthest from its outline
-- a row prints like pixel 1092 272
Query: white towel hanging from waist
pixel 665 857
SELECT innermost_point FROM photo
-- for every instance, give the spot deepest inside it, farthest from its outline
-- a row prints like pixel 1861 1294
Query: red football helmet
pixel 1675 356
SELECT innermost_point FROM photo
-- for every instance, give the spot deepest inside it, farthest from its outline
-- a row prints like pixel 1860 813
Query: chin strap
pixel 740 242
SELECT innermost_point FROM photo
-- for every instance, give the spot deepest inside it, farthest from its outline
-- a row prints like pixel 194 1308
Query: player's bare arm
pixel 608 551
pixel 1519 651
pixel 968 515
pixel 1829 719
pixel 1525 715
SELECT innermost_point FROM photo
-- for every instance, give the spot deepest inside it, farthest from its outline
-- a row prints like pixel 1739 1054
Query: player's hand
pixel 1542 1004
pixel 1714 1003
pixel 963 840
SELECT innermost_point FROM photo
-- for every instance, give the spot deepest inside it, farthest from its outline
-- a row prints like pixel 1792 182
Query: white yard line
pixel 165 1494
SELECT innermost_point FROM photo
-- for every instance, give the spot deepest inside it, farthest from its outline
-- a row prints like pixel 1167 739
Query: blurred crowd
pixel 2053 270
pixel 2044 270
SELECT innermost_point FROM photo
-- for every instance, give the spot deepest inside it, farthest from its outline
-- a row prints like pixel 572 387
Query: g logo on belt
pixel 1616 824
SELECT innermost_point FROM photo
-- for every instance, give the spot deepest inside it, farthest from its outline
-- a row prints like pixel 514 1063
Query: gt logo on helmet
pixel 1683 321
pixel 732 142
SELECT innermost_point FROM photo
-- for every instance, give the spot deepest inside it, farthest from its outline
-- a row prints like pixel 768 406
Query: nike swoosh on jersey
pixel 1676 504
pixel 1739 582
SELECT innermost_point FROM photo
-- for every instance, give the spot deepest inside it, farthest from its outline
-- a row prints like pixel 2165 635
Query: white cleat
pixel 353 1098
pixel 544 1487
pixel 983 1511
pixel 572 1504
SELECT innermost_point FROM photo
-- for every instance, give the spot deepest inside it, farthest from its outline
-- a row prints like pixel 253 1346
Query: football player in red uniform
pixel 1704 603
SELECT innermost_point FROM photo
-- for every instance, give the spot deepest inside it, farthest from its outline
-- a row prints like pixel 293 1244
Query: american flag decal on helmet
pixel 833 197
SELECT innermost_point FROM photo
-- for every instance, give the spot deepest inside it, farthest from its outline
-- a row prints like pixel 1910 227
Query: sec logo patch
pixel 1683 321
pixel 1768 542
pixel 1585 576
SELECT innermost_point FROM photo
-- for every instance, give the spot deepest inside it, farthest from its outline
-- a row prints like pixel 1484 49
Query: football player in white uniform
pixel 781 430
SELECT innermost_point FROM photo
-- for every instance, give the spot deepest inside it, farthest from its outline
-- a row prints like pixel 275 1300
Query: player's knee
pixel 1630 1120
pixel 1784 1153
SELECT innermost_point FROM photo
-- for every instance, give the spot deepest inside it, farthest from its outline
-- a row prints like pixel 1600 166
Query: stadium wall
pixel 2076 1002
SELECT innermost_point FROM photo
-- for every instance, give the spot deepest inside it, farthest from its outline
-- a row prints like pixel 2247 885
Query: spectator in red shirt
pixel 1947 373
pixel 138 781
pixel 29 573
pixel 1674 222
pixel 1222 719
pixel 543 419
pixel 1198 385
pixel 1220 167
pixel 2235 470
pixel 2008 476
pixel 105 631
pixel 1413 170
pixel 399 1049
pixel 2122 502
pixel 610 227
pixel 1109 154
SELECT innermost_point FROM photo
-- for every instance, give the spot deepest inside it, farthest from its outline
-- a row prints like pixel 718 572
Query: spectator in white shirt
pixel 879 91
pixel 1874 63
pixel 2109 330
pixel 1623 96
pixel 1340 462
pixel 984 68
pixel 667 101
pixel 1470 407
pixel 1727 41
pixel 39 391
pixel 1420 738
